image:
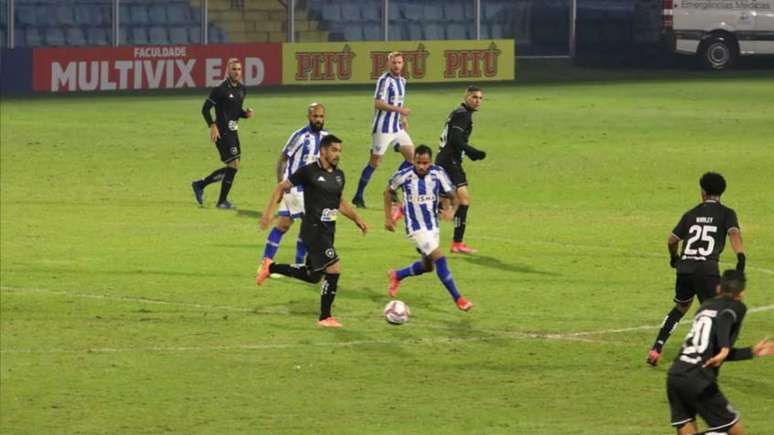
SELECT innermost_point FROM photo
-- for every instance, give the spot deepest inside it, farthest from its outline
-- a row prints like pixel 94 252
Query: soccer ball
pixel 396 312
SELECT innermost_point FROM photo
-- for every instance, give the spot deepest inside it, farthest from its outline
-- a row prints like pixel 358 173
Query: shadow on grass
pixel 255 214
pixel 496 263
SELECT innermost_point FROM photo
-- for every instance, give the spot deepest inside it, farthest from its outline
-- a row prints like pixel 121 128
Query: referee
pixel 454 145
pixel 227 99
pixel 323 183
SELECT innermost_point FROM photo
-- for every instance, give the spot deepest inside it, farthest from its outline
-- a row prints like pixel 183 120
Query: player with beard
pixel 301 149
pixel 427 192
pixel 323 184
pixel 388 128
pixel 454 146
pixel 227 99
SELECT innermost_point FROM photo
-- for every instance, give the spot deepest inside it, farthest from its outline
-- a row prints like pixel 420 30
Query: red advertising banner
pixel 152 67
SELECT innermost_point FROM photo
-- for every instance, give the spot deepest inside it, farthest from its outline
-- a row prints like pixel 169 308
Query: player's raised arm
pixel 350 214
pixel 276 196
pixel 735 236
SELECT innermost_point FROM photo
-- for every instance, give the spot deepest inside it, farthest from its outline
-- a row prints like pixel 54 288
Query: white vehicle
pixel 720 30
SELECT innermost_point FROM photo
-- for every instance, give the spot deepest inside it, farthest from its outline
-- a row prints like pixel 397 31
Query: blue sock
pixel 365 177
pixel 415 269
pixel 272 243
pixel 300 251
pixel 404 165
pixel 442 269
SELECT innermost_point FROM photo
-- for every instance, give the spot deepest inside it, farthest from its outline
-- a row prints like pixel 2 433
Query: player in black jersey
pixel 692 380
pixel 454 144
pixel 703 231
pixel 227 99
pixel 323 183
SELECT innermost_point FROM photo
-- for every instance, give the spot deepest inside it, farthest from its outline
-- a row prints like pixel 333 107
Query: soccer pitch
pixel 126 308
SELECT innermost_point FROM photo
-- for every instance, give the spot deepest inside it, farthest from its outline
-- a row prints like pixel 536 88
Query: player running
pixel 703 231
pixel 427 192
pixel 302 148
pixel 692 380
pixel 389 125
pixel 323 183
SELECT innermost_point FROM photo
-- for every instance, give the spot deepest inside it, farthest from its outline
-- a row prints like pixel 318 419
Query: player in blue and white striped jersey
pixel 302 148
pixel 388 128
pixel 427 192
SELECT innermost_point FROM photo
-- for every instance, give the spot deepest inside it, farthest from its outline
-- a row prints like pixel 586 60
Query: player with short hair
pixel 323 184
pixel 427 192
pixel 389 125
pixel 703 230
pixel 301 149
pixel 454 145
pixel 692 380
pixel 227 99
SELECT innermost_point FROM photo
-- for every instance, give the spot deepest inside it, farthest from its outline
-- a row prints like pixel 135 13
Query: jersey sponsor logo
pixel 329 215
pixel 422 199
pixel 339 180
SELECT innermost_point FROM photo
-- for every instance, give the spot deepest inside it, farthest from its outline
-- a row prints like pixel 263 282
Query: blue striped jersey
pixel 391 90
pixel 303 148
pixel 421 196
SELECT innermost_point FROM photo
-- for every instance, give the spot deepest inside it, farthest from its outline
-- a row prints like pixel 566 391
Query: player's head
pixel 732 283
pixel 316 115
pixel 473 97
pixel 234 69
pixel 423 159
pixel 395 62
pixel 330 149
pixel 712 184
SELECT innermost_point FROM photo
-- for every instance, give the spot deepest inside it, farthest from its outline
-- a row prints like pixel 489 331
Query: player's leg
pixel 328 294
pixel 312 270
pixel 681 407
pixel 379 144
pixel 422 240
pixel 225 186
pixel 460 222
pixel 684 292
pixel 272 245
pixel 300 250
pixel 720 416
pixel 445 276
pixel 216 175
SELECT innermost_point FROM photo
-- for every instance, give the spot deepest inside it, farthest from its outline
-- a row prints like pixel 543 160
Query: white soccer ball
pixel 396 312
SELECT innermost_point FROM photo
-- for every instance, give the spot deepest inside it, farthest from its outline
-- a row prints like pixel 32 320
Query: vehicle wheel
pixel 719 52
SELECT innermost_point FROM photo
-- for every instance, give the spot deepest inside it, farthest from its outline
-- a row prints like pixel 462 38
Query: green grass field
pixel 128 309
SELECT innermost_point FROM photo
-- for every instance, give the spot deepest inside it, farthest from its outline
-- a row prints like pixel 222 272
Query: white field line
pixel 606 248
pixel 492 335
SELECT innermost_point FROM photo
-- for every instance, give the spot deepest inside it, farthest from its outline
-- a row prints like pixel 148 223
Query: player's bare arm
pixel 346 209
pixel 447 207
pixel 276 196
pixel 282 164
pixel 389 222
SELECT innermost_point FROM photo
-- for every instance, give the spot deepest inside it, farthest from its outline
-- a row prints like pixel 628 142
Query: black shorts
pixel 701 283
pixel 320 252
pixel 228 147
pixel 455 172
pixel 686 400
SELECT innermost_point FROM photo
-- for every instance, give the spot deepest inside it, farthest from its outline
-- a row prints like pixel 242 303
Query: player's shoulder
pixel 385 75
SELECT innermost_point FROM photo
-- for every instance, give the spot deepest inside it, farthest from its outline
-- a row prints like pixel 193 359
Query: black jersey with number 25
pixel 703 230
pixel 322 193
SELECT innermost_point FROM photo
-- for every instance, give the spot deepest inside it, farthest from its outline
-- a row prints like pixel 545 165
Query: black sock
pixel 217 175
pixel 295 271
pixel 669 325
pixel 459 222
pixel 328 294
pixel 228 180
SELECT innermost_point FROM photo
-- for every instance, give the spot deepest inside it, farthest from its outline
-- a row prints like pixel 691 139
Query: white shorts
pixel 426 241
pixel 381 141
pixel 292 204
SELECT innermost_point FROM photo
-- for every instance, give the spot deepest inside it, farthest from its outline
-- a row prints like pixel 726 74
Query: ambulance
pixel 719 31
